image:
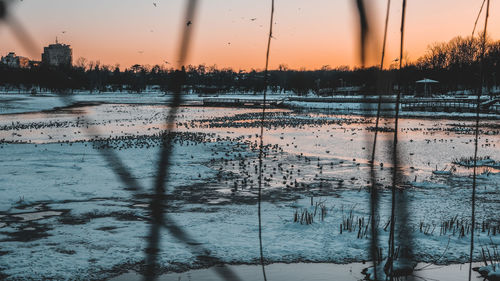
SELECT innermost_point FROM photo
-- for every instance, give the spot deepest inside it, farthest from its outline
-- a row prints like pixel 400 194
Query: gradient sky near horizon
pixel 307 33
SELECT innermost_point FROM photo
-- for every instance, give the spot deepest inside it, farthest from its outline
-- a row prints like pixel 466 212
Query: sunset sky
pixel 308 33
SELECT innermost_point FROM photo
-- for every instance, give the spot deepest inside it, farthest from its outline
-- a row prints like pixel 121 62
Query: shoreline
pixel 332 111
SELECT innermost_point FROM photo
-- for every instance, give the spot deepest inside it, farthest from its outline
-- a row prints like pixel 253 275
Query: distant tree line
pixel 455 64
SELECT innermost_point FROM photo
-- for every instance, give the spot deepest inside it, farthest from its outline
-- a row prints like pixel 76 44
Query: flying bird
pixel 166 62
pixel 189 23
pixel 154 4
pixel 253 19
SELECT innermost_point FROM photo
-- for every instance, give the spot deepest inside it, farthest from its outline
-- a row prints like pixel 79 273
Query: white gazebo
pixel 427 88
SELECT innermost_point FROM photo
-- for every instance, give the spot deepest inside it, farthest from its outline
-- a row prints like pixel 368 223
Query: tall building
pixel 57 55
pixel 11 60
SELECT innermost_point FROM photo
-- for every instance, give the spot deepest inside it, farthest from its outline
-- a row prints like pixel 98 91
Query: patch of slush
pixel 37 215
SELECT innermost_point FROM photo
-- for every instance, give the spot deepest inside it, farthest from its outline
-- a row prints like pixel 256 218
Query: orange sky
pixel 307 34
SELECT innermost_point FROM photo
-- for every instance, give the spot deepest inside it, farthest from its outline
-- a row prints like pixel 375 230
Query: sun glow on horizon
pixel 307 35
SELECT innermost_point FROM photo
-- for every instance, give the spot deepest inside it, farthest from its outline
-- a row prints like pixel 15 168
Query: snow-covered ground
pixel 64 214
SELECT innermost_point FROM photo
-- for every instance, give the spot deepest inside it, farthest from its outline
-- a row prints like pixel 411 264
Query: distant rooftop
pixel 58 44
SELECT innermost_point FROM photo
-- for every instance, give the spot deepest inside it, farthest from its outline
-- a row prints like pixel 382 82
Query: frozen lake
pixel 65 214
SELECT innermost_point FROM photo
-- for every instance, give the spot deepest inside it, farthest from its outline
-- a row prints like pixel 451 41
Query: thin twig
pixel 477 18
pixel 164 163
pixel 395 148
pixel 373 176
pixel 261 147
pixel 476 139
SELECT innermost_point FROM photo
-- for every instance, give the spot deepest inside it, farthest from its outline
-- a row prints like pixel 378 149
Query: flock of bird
pixel 233 153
